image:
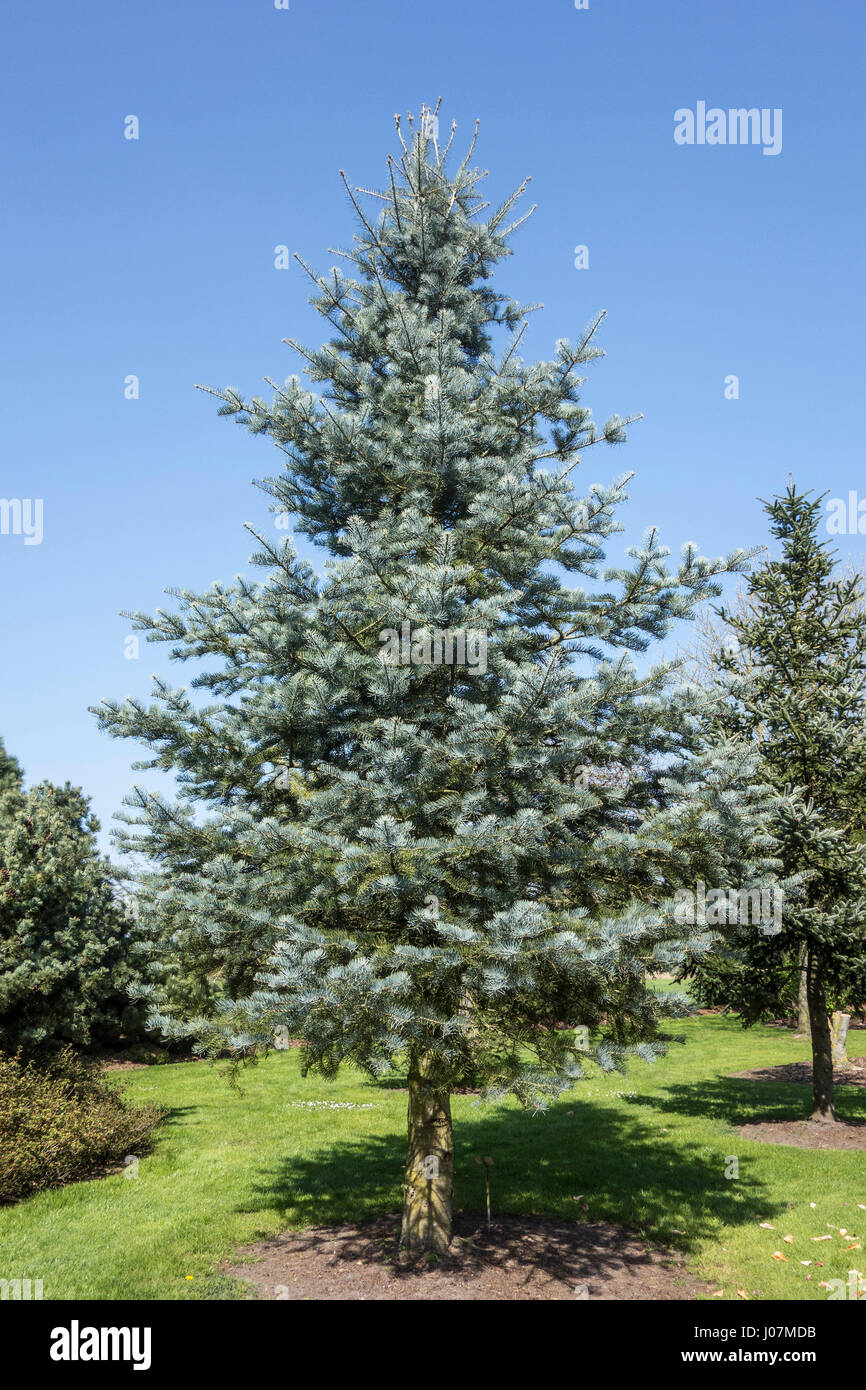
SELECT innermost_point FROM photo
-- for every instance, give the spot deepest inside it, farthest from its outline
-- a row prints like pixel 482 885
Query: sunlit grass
pixel 649 1150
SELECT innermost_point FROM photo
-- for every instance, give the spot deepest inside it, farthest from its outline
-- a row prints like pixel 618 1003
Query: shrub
pixel 63 1120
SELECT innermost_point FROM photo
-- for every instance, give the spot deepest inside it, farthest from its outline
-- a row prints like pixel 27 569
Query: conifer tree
pixel 793 682
pixel 10 772
pixel 445 812
pixel 68 955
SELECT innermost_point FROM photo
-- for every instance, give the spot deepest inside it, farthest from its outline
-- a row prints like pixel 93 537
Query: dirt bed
pixel 801 1072
pixel 806 1134
pixel 519 1258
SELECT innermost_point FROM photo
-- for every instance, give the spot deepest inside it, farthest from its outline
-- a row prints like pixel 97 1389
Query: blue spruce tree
pixel 444 811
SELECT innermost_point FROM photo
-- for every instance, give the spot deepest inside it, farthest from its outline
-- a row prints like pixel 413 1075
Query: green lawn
pixel 229 1167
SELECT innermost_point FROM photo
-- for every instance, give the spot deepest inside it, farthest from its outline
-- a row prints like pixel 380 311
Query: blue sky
pixel 155 257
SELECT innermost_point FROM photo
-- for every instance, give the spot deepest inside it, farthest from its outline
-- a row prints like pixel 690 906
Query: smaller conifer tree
pixel 68 953
pixel 793 682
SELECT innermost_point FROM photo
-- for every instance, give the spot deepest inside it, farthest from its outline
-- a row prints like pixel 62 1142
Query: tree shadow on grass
pixel 172 1115
pixel 741 1102
pixel 578 1162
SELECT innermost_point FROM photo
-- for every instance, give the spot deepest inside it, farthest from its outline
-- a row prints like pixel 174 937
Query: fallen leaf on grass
pixel 789 1240
pixel 777 1255
pixel 742 1293
pixel 765 1225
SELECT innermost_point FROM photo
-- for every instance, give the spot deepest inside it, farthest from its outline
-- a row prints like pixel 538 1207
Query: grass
pixel 649 1151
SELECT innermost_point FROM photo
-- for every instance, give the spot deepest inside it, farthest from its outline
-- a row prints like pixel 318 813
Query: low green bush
pixel 62 1120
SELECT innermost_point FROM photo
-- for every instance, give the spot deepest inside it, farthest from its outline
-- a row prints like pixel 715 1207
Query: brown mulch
pixel 518 1258
pixel 801 1072
pixel 806 1134
pixel 118 1062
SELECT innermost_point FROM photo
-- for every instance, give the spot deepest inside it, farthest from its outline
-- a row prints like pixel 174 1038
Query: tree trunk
pixel 429 1183
pixel 839 1039
pixel 803 1025
pixel 822 1052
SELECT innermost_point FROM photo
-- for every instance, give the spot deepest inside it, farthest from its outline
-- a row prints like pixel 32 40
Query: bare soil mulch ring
pixel 801 1072
pixel 807 1134
pixel 120 1061
pixel 519 1258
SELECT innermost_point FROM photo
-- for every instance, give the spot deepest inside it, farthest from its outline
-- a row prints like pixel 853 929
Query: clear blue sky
pixel 155 257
